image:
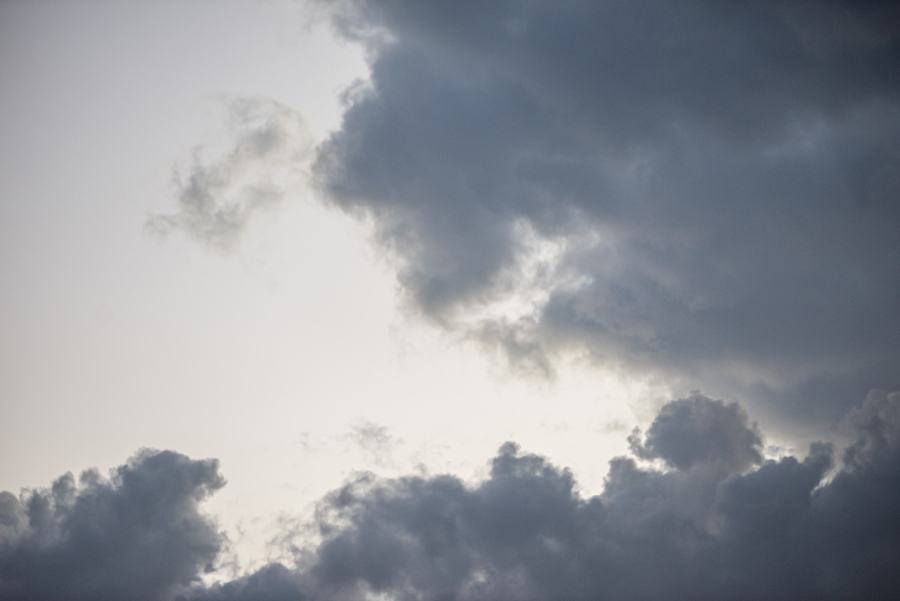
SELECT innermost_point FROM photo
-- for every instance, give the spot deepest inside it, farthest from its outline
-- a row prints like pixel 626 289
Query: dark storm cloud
pixel 719 523
pixel 218 197
pixel 133 536
pixel 705 188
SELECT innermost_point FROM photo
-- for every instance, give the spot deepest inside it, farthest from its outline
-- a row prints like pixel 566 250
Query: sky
pixel 357 299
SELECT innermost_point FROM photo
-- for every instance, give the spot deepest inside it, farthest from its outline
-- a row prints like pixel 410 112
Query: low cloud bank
pixel 696 513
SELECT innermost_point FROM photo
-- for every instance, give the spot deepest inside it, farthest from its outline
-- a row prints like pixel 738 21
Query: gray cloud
pixel 778 531
pixel 705 189
pixel 719 523
pixel 698 430
pixel 218 197
pixel 273 582
pixel 134 536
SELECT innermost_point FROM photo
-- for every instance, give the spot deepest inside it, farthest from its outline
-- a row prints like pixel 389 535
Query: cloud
pixel 701 190
pixel 714 520
pixel 698 430
pixel 217 198
pixel 136 535
pixel 767 529
pixel 273 582
pixel 375 441
pixel 779 531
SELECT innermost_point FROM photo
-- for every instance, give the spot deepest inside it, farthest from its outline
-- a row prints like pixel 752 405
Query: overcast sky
pixel 449 300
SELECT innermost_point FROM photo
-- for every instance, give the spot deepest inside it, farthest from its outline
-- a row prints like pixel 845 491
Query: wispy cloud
pixel 375 441
pixel 266 162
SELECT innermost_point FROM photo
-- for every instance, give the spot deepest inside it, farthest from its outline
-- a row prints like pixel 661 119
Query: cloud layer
pixel 700 189
pixel 718 521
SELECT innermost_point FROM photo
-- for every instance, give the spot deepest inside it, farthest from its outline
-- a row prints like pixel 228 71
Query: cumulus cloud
pixel 703 189
pixel 759 529
pixel 698 430
pixel 712 520
pixel 136 535
pixel 267 159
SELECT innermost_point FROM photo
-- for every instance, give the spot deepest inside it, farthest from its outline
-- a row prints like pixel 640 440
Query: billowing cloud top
pixel 703 188
pixel 720 523
pixel 134 536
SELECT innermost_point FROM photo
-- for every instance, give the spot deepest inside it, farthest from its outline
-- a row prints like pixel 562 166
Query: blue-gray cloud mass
pixel 720 522
pixel 134 536
pixel 718 183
